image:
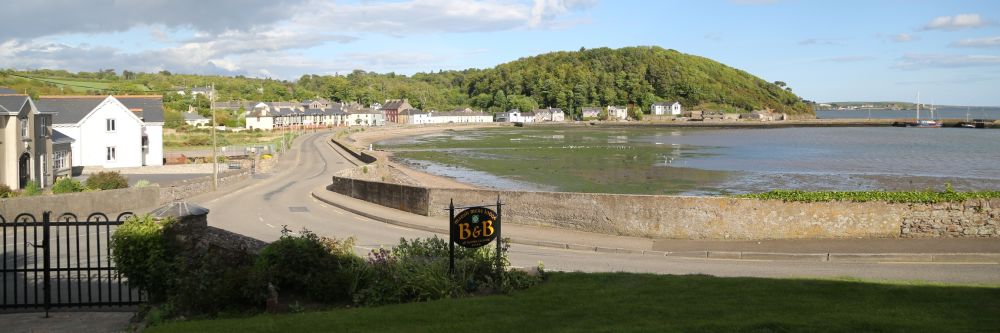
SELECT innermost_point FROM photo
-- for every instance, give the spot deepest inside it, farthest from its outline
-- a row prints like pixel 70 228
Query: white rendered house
pixel 666 108
pixel 110 132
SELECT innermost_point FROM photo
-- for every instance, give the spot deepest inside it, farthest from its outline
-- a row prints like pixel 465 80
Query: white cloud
pixel 902 38
pixel 978 42
pixel 960 21
pixel 923 61
pixel 257 36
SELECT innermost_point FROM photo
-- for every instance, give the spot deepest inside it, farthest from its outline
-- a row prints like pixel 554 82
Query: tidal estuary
pixel 699 161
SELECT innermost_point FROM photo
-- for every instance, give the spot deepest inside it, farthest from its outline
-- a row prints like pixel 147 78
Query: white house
pixel 365 117
pixel 110 132
pixel 206 91
pixel 666 108
pixel 460 116
pixel 194 119
pixel 549 114
pixel 617 112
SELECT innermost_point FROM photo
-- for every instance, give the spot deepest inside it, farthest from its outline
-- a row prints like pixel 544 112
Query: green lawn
pixel 622 302
pixel 82 86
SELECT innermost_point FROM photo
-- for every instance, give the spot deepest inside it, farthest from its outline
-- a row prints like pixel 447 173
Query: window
pixel 24 128
pixel 110 123
pixel 59 160
pixel 111 154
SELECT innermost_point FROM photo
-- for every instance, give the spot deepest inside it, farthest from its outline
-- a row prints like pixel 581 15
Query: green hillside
pixel 637 76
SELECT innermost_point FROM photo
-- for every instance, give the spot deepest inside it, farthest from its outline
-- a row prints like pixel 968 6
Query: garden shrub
pixel 32 189
pixel 142 254
pixel 107 180
pixel 309 265
pixel 6 191
pixel 67 185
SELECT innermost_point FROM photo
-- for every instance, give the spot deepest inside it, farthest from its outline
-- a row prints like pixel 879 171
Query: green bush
pixel 32 189
pixel 310 266
pixel 142 254
pixel 6 191
pixel 107 180
pixel 67 185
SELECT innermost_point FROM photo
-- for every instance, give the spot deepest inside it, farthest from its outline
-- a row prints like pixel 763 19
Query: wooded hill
pixel 636 76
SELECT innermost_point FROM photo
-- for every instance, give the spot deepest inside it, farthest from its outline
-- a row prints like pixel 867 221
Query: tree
pixel 780 84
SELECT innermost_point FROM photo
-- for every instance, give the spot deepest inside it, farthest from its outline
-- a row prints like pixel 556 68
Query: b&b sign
pixel 474 227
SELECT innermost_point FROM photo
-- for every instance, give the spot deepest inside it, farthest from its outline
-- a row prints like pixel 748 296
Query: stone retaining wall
pixel 660 216
pixel 110 202
pixel 196 186
pixel 972 218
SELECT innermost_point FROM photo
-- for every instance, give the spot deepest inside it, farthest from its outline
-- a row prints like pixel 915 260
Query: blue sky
pixel 825 50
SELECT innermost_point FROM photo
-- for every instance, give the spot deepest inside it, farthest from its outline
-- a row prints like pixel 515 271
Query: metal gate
pixel 62 263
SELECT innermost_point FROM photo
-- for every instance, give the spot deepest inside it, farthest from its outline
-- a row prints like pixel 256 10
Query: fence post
pixel 46 288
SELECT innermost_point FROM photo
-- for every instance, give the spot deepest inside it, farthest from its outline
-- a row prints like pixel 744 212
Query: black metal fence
pixel 62 263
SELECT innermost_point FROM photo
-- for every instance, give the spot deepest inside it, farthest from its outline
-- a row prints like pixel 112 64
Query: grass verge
pixel 623 302
pixel 864 196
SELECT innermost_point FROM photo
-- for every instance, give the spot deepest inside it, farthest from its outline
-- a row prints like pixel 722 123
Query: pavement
pixel 90 322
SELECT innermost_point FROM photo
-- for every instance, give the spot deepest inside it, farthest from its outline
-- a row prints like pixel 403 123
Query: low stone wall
pixel 110 202
pixel 361 156
pixel 196 186
pixel 407 198
pixel 972 218
pixel 695 217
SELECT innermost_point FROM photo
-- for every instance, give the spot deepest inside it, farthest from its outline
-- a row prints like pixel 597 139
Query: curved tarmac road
pixel 283 198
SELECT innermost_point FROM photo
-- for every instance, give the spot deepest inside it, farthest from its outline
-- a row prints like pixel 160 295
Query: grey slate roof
pixel 393 104
pixel 59 137
pixel 12 103
pixel 5 90
pixel 70 110
pixel 193 116
pixel 152 107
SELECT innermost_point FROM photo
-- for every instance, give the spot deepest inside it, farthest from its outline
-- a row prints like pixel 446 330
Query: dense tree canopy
pixel 634 76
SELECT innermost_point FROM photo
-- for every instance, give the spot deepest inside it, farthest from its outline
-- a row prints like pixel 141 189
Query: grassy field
pixel 622 302
pixel 200 140
pixel 83 86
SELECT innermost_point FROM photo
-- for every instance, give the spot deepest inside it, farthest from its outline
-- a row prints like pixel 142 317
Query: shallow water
pixel 710 161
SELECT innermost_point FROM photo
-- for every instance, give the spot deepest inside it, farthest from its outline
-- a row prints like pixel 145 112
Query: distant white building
pixel 206 91
pixel 110 132
pixel 549 114
pixel 192 118
pixel 666 108
pixel 514 116
pixel 459 116
pixel 617 112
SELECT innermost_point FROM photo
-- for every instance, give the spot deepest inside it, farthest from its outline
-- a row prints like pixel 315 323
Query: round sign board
pixel 474 227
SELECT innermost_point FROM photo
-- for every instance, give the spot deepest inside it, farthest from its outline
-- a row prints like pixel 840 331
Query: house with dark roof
pixel 109 131
pixel 25 142
pixel 192 118
pixel 392 107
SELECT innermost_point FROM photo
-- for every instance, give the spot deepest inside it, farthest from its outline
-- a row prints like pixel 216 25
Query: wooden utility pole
pixel 215 157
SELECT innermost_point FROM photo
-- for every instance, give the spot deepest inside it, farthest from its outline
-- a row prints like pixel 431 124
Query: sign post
pixel 474 227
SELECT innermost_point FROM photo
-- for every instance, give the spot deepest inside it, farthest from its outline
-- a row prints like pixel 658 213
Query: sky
pixel 826 51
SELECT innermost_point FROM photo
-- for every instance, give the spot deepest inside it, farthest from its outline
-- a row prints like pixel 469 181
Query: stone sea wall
pixel 681 217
